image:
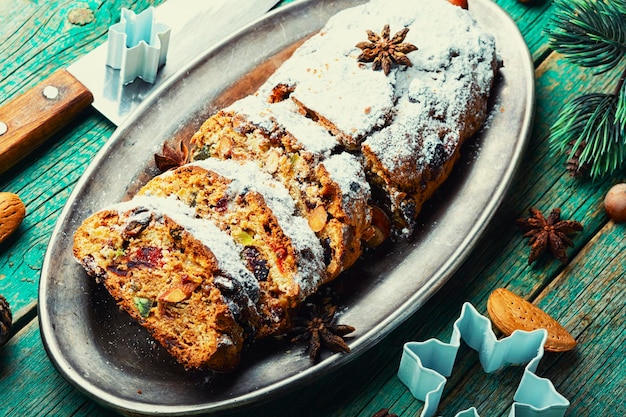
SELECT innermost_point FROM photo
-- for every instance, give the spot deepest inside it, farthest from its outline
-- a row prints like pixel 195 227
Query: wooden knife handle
pixel 31 118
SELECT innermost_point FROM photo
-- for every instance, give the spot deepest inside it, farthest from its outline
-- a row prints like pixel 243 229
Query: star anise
pixel 170 157
pixel 549 233
pixel 316 325
pixel 384 52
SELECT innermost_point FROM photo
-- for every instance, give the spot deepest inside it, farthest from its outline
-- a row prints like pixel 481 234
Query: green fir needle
pixel 591 129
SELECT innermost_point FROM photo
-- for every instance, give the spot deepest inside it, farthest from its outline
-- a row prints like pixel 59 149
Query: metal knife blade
pixel 195 25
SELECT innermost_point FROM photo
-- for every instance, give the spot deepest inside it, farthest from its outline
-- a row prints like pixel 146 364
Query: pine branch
pixel 589 33
pixel 588 131
pixel 591 129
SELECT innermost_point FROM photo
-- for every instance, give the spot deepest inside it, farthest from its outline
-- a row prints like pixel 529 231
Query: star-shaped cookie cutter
pixel 138 46
pixel 425 365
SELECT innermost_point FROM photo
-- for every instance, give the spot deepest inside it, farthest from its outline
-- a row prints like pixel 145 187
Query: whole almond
pixel 380 227
pixel 509 312
pixel 318 218
pixel 12 212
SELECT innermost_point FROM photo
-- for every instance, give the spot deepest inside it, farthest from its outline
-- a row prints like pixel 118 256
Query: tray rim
pixel 331 363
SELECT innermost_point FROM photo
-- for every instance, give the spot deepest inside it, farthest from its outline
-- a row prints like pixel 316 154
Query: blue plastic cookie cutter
pixel 425 365
pixel 138 46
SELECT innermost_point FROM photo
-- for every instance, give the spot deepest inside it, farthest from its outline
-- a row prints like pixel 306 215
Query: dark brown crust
pixel 408 186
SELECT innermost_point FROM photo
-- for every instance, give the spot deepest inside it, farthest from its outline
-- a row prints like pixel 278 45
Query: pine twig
pixel 591 129
pixel 589 33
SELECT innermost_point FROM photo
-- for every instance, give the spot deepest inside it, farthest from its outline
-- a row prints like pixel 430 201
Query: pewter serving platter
pixel 114 361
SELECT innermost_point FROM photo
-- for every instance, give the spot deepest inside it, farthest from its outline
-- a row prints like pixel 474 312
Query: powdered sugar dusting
pixel 452 65
pixel 328 80
pixel 313 137
pixel 254 109
pixel 246 176
pixel 220 243
pixel 346 170
pixel 310 135
pixel 353 99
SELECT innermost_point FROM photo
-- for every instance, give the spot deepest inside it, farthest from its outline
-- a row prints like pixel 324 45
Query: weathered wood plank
pixel 531 18
pixel 37 39
pixel 587 296
pixel 31 386
pixel 43 41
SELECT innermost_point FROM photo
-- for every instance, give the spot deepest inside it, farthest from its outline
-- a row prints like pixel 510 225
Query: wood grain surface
pixel 33 117
pixel 587 295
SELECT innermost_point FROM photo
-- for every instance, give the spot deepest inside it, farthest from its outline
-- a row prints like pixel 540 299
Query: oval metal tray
pixel 112 359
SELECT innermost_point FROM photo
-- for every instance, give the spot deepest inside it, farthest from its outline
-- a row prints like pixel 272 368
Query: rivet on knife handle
pixel 31 118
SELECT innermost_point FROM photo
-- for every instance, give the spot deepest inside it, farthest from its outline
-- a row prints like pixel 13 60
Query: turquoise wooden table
pixel 586 295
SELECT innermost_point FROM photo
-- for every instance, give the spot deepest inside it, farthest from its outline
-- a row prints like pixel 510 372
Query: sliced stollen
pixel 277 245
pixel 178 276
pixel 299 153
pixel 509 312
pixel 409 126
pixel 286 184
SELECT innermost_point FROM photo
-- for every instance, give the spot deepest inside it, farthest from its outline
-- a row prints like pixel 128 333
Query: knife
pixel 29 119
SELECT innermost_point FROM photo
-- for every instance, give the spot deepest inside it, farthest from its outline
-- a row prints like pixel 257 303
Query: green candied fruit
pixel 119 252
pixel 143 305
pixel 202 153
pixel 294 159
pixel 245 238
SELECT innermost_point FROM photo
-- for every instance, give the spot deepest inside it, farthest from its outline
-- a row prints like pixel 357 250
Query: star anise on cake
pixel 384 52
pixel 551 232
pixel 316 325
pixel 170 157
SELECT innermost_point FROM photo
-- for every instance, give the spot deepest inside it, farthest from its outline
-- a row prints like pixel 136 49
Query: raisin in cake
pixel 182 278
pixel 258 213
